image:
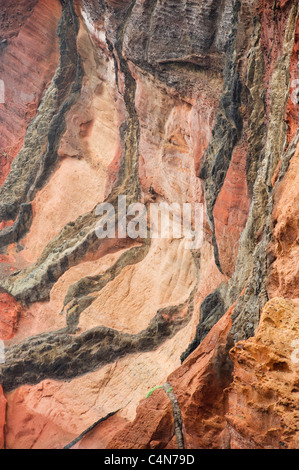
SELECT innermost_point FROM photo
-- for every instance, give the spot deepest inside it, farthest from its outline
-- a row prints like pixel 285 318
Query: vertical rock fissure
pixel 89 429
pixel 247 312
pixel 128 183
pixel 225 134
pixel 177 416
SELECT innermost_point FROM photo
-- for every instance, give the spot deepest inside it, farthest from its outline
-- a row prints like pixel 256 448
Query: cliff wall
pixel 171 101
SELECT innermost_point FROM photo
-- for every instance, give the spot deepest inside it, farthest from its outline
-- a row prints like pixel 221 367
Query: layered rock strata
pixel 177 102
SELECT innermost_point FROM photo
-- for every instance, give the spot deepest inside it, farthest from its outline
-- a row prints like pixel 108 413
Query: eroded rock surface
pixel 160 101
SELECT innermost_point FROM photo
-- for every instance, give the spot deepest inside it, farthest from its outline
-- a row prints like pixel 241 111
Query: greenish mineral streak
pixel 177 416
pixel 78 237
pixel 153 390
pixel 257 126
pixel 280 86
pixel 252 266
pixel 128 183
pixel 266 146
pixel 225 134
pixel 61 355
pixel 79 293
pixel 37 158
pixel 97 283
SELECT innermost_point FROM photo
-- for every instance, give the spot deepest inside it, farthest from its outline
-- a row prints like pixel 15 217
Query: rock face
pixel 29 54
pixel 162 102
pixel 199 385
pixel 10 312
pixel 262 402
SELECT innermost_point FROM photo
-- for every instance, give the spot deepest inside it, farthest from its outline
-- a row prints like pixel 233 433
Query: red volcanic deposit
pixel 28 60
pixel 10 311
pixel 184 107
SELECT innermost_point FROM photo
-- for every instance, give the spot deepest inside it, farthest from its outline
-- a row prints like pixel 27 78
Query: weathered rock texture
pixel 262 406
pixel 160 101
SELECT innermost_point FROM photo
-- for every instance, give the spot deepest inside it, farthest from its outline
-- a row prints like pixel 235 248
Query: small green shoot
pixel 152 391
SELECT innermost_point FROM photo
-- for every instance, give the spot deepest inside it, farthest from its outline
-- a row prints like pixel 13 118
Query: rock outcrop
pixel 262 402
pixel 189 102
